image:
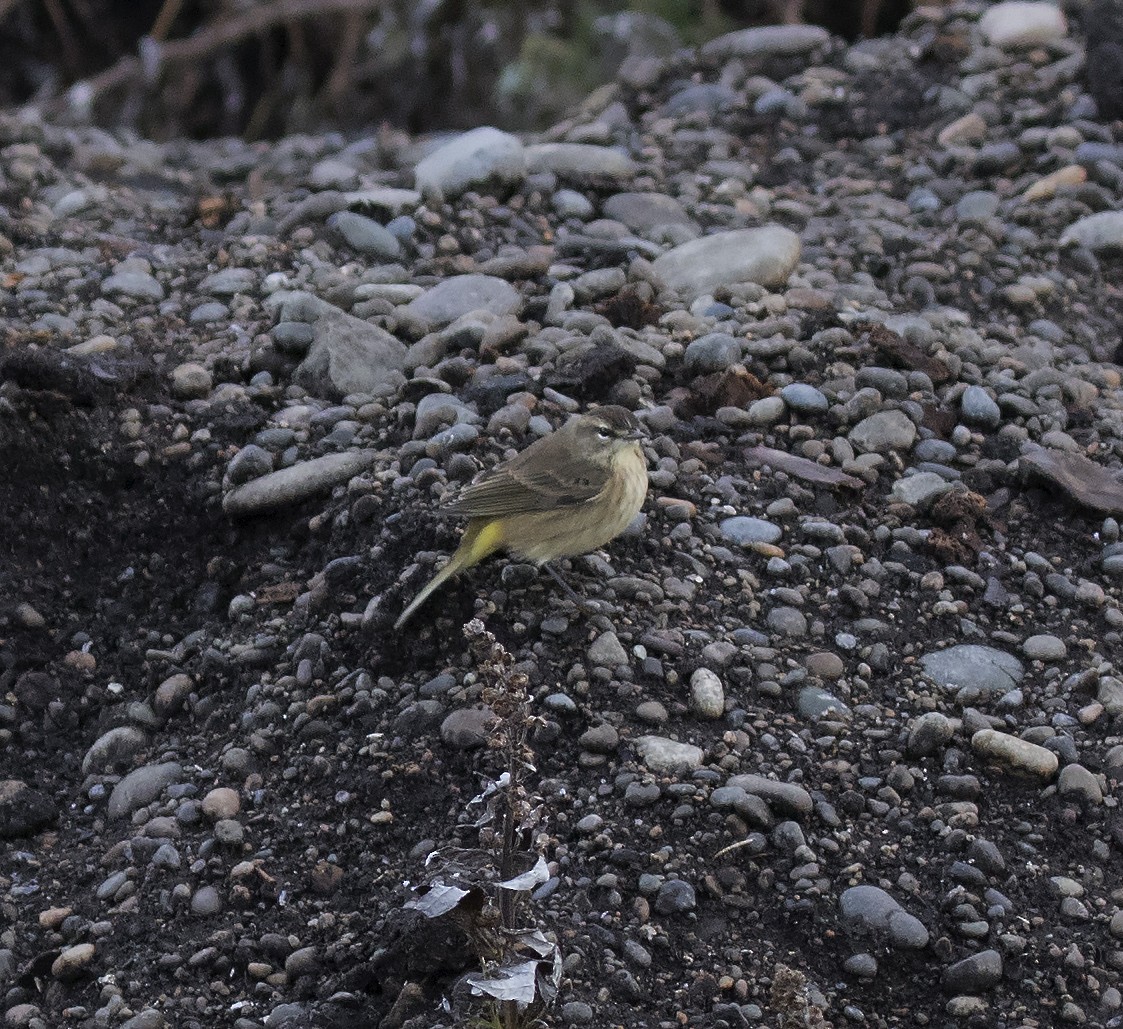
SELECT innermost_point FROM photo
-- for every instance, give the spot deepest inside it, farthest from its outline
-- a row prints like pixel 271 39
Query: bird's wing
pixel 535 480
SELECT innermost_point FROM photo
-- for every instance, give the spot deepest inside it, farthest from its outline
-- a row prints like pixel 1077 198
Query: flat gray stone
pixel 228 281
pixel 1085 482
pixel 349 355
pixel 1102 231
pixel 745 530
pixel 456 296
pixel 1023 23
pixel 473 159
pixel 920 490
pixel 1076 781
pixel 978 407
pixel 138 285
pixel 975 666
pixel 766 256
pixel 785 798
pixel 663 755
pixel 295 484
pixel 142 786
pixel 767 41
pixel 366 235
pixel 883 432
pixel 116 747
pixel 869 910
pixel 580 162
pixel 975 973
pixel 642 212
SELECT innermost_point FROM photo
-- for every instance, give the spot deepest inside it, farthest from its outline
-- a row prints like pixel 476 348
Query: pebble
pixel 141 786
pixel 476 159
pixel 1021 23
pixel 766 255
pixel 869 910
pixel 973 666
pixel 1015 754
pixel 668 756
pixel 191 381
pixel 744 530
pixel 1045 647
pixel 883 432
pixel 978 408
pixel 707 695
pixel 1098 232
pixel 290 486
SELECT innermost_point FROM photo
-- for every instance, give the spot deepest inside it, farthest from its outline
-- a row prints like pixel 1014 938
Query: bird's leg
pixel 588 607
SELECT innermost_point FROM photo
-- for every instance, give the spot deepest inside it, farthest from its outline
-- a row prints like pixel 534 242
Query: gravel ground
pixel 841 744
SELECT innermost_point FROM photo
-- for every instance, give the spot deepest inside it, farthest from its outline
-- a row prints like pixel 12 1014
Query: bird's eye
pixel 604 434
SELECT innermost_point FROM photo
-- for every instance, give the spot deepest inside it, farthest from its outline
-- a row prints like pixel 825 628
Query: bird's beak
pixel 635 434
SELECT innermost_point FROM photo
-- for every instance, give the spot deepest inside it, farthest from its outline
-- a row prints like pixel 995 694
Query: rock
pixel 714 352
pixel 221 802
pixel 767 41
pixel 766 255
pixel 1023 23
pixel 799 467
pixel 142 786
pixel 974 974
pixel 226 282
pixel 456 296
pixel 349 355
pixel 978 408
pixel 643 212
pixel 607 651
pixel 920 490
pixel 581 163
pixel 869 910
pixel 974 666
pixel 73 962
pixel 467 728
pixel 928 733
pixel 883 432
pixel 707 696
pixel 172 694
pixel 366 235
pixel 191 381
pixel 744 530
pixel 1085 482
pixel 23 810
pixel 114 748
pixel 473 160
pixel 804 399
pixel 1045 647
pixel 135 284
pixel 1077 782
pixel 291 486
pixel 668 756
pixel 675 897
pixel 251 462
pixel 785 798
pixel 1014 753
pixel 1098 232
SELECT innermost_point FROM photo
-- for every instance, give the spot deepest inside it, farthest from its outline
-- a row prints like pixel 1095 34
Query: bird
pixel 566 494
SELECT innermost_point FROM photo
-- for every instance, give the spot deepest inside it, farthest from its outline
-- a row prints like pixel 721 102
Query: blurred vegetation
pixel 264 68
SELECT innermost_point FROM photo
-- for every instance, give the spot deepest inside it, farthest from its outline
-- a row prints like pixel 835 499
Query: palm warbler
pixel 566 494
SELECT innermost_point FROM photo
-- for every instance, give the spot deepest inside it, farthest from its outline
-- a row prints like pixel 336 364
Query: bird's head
pixel 606 431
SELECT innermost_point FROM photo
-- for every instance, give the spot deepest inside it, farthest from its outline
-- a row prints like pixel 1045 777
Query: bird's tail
pixel 480 539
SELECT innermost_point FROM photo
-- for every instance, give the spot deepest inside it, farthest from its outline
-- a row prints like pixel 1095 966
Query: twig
pixel 208 42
